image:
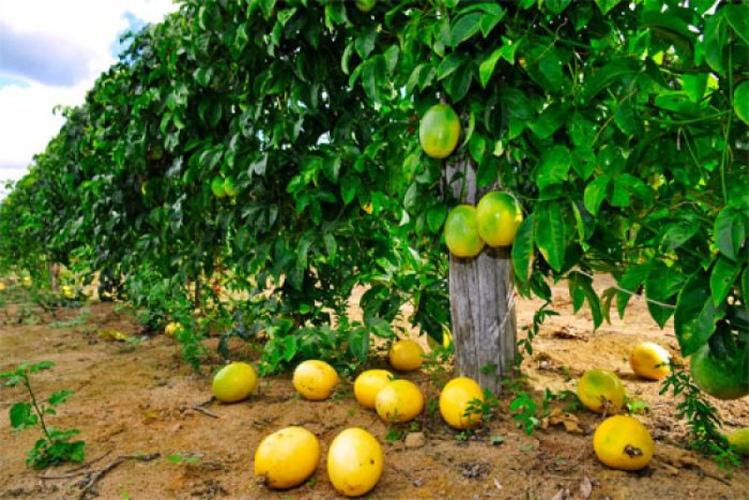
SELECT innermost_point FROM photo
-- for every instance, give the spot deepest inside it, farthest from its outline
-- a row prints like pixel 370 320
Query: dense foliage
pixel 620 126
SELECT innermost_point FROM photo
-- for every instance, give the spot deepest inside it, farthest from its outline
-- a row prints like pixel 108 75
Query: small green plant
pixel 531 331
pixel 394 434
pixel 524 412
pixel 484 409
pixel 636 407
pixel 55 447
pixel 702 417
pixel 496 440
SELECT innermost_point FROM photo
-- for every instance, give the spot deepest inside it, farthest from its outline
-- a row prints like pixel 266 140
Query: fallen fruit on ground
pixel 739 438
pixel 439 131
pixel 399 401
pixel 456 397
pixel 68 292
pixel 172 328
pixel 27 281
pixel 406 355
pixel 601 391
pixel 354 462
pixel 499 215
pixel 315 379
pixel 461 232
pixel 368 384
pixel 724 378
pixel 650 361
pixel 234 382
pixel 2 286
pixel 217 186
pixel 623 443
pixel 286 458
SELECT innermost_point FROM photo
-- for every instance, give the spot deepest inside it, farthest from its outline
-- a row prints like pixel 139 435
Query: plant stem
pixel 38 410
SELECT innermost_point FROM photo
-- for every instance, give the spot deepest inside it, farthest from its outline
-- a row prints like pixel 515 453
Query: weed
pixel 55 447
pixel 702 417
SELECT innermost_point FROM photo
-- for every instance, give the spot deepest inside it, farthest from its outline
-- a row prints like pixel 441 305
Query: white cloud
pixel 92 28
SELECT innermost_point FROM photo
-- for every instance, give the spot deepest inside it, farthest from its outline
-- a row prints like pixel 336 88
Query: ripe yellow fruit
pixel 234 382
pixel 601 391
pixel 315 379
pixel 439 131
pixel 172 328
pixel 739 438
pixel 406 355
pixel 68 292
pixel 456 398
pixel 623 443
pixel 399 401
pixel 354 462
pixel 3 287
pixel 368 384
pixel 286 458
pixel 27 281
pixel 499 215
pixel 461 232
pixel 650 361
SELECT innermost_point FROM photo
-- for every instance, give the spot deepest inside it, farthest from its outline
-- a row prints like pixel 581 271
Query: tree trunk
pixel 482 302
pixel 54 277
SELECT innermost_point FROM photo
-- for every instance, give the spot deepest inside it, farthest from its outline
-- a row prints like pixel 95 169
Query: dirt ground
pixel 137 399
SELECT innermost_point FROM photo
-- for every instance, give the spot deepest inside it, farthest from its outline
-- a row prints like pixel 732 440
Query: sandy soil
pixel 136 399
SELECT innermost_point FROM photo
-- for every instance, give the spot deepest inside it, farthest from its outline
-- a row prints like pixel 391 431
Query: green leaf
pixel 549 233
pixel 595 193
pixel 714 41
pixel 678 233
pixel 607 5
pixel 486 69
pixel 552 118
pixel 522 249
pixel 290 348
pixel 724 274
pixel 464 28
pixel 581 286
pixel 365 43
pixel 606 76
pixel 59 397
pixel 745 287
pixel 556 6
pixel 554 167
pixel 449 65
pixel 42 365
pixel 696 315
pixel 738 18
pixel 730 232
pixel 631 281
pixel 21 416
pixel 436 217
pixel 662 285
pixel 477 147
pixel 358 343
pixel 741 101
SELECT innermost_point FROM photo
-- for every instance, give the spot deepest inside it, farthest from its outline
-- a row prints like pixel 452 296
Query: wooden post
pixel 482 302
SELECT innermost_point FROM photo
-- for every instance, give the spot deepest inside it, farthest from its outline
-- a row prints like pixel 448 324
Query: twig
pixel 99 474
pixel 90 463
pixel 205 412
pixel 75 471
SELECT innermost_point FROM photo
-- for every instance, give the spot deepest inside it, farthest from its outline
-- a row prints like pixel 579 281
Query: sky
pixel 51 52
